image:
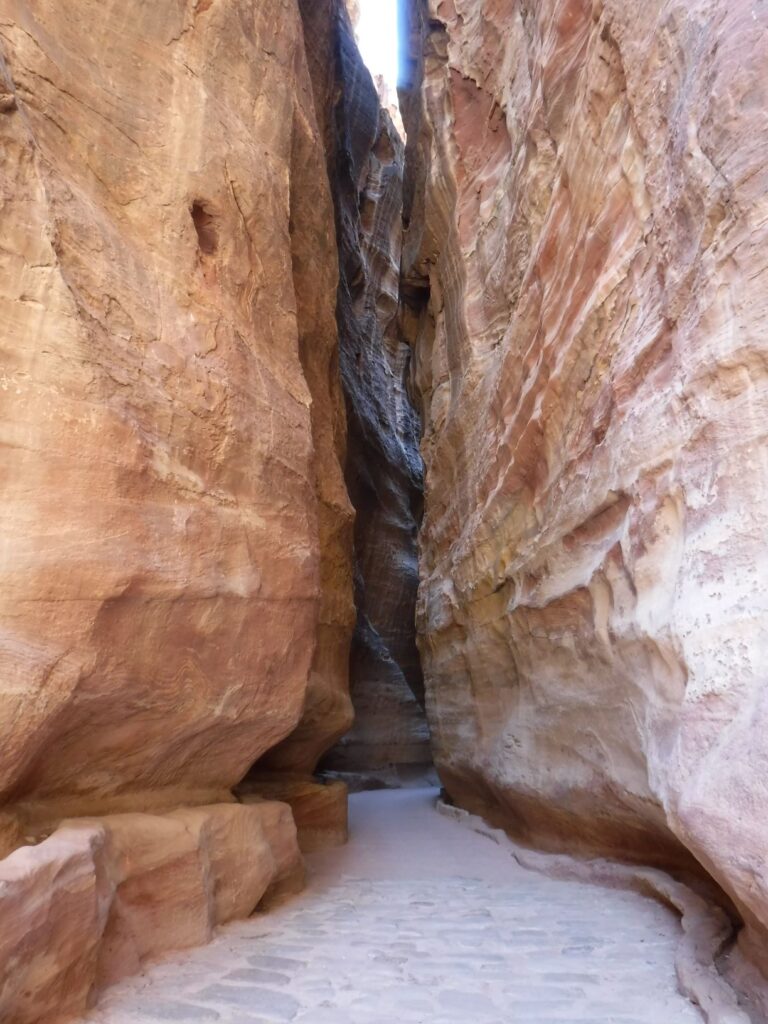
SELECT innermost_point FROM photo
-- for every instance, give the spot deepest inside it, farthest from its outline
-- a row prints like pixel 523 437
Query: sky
pixel 377 35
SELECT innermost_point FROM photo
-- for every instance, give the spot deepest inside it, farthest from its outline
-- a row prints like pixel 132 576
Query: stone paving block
pixel 264 1001
pixel 257 975
pixel 180 1012
pixel 277 963
pixel 510 948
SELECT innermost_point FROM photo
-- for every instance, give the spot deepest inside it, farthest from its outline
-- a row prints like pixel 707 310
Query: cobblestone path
pixel 419 919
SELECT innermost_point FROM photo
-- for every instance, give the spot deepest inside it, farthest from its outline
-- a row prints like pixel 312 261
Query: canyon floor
pixel 420 919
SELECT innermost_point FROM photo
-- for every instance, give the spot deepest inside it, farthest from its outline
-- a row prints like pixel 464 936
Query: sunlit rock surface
pixel 177 560
pixel 594 596
pixel 175 519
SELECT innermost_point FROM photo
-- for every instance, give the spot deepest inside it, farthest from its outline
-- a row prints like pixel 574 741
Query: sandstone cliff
pixel 222 281
pixel 172 418
pixel 176 569
pixel 593 608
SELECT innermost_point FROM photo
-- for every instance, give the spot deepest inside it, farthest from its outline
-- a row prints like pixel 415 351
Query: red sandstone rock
pixel 319 808
pixel 173 498
pixel 176 573
pixel 593 373
pixel 327 712
pixel 88 905
pixel 54 901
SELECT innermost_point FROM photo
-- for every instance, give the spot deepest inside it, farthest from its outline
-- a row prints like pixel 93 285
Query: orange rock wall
pixel 176 572
pixel 176 565
pixel 88 905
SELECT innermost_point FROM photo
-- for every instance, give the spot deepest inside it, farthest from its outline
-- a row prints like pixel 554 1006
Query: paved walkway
pixel 419 919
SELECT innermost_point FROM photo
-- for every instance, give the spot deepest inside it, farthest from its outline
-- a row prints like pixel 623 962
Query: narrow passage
pixel 420 919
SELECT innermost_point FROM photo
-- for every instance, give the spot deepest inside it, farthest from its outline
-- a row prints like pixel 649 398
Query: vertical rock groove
pixel 327 711
pixel 383 469
pixel 365 160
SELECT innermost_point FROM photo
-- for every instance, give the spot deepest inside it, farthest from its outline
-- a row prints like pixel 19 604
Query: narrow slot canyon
pixel 384 606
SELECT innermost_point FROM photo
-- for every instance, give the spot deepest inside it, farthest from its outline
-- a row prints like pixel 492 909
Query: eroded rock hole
pixel 205 226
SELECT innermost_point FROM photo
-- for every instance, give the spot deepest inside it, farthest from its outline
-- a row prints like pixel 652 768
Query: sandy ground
pixel 420 919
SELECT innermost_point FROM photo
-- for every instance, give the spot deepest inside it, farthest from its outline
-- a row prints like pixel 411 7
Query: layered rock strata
pixel 319 808
pixel 592 614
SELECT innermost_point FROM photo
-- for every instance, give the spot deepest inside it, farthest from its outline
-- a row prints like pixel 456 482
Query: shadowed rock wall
pixel 592 613
pixel 383 466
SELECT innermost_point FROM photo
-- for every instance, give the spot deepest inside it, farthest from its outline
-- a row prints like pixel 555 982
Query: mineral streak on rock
pixel 593 610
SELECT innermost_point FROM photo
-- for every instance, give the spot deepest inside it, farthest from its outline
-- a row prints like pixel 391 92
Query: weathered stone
pixel 54 902
pixel 176 572
pixel 319 808
pixel 161 891
pixel 90 904
pixel 175 518
pixel 593 601
pixel 327 710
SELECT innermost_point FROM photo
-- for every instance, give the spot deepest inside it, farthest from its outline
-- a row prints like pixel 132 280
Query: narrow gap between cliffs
pixel 388 744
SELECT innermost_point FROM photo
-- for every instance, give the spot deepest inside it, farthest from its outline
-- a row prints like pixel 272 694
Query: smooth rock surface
pixel 176 574
pixel 594 600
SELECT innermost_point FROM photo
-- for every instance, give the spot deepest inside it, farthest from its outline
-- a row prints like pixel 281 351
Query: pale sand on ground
pixel 419 920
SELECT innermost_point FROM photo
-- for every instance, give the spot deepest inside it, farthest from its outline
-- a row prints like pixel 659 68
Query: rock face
pixel 177 566
pixel 319 808
pixel 175 517
pixel 87 905
pixel 383 467
pixel 594 601
pixel 328 709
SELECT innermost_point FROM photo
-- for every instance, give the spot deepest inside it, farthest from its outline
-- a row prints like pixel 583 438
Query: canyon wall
pixel 176 521
pixel 383 467
pixel 586 202
pixel 177 559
